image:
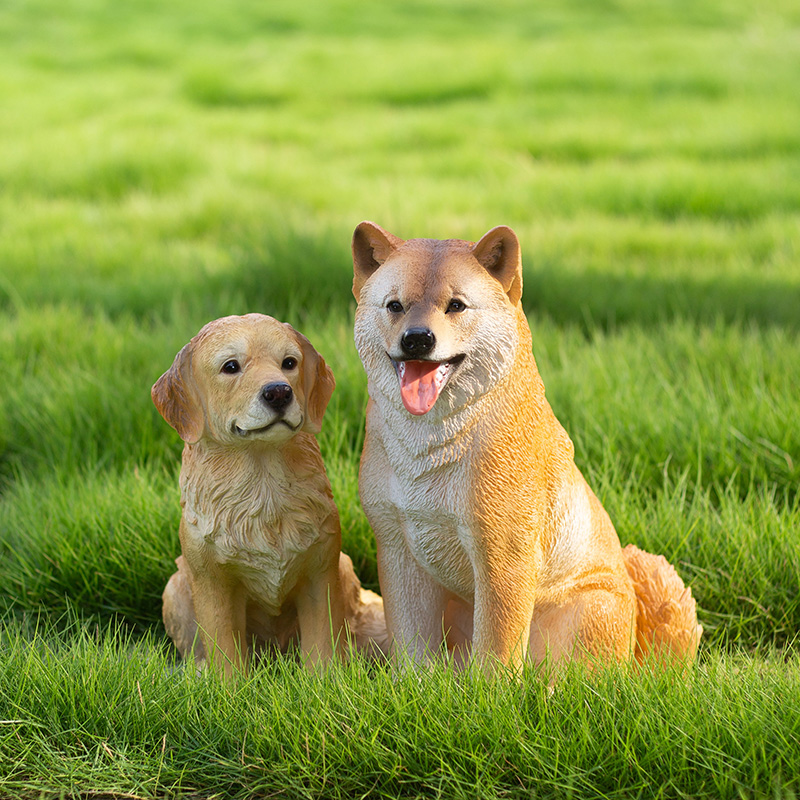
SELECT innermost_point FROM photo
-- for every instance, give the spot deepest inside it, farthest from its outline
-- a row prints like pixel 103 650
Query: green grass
pixel 165 164
pixel 133 724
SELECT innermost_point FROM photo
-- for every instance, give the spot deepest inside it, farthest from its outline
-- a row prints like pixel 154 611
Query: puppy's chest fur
pixel 260 521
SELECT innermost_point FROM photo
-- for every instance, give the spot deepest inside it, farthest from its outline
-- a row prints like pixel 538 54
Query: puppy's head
pixel 244 380
pixel 436 324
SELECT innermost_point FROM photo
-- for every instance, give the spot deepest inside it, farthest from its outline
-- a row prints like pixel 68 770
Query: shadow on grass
pixel 295 274
pixel 594 300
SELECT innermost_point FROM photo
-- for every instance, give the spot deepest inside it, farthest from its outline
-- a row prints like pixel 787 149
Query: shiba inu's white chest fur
pixel 430 497
pixel 427 501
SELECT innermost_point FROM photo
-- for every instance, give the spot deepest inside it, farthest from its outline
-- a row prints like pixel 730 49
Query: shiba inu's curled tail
pixel 666 625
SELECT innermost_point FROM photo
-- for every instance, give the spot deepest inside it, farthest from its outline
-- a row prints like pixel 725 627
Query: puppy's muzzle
pixel 417 342
pixel 277 396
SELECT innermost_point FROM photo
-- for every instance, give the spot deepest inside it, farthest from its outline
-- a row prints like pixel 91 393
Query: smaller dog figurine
pixel 260 535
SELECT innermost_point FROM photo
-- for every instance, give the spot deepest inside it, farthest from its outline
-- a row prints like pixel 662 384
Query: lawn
pixel 165 164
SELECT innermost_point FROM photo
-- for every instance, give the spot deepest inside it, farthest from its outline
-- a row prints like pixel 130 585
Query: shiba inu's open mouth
pixel 421 382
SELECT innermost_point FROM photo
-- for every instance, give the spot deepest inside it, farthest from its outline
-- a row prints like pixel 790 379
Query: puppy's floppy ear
pixel 372 245
pixel 318 383
pixel 176 400
pixel 499 253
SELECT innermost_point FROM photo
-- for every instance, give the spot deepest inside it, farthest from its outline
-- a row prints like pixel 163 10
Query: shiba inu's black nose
pixel 277 395
pixel 417 342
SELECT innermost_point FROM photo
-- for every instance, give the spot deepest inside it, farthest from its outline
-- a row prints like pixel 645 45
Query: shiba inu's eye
pixel 289 363
pixel 456 305
pixel 231 367
pixel 395 306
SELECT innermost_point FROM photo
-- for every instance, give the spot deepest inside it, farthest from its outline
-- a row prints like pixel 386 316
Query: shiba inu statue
pixel 488 537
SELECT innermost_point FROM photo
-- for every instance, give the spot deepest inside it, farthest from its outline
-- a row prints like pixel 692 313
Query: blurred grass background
pixel 165 164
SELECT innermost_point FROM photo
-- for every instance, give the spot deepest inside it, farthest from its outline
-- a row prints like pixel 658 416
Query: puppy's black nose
pixel 277 395
pixel 417 342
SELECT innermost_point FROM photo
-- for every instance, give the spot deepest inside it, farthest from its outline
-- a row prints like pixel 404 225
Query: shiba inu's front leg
pixel 502 621
pixel 414 603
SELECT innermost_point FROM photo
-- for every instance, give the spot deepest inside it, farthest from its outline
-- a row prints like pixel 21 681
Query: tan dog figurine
pixel 260 536
pixel 488 536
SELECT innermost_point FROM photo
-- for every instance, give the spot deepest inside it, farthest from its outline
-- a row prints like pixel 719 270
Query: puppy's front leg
pixel 221 613
pixel 320 613
pixel 414 604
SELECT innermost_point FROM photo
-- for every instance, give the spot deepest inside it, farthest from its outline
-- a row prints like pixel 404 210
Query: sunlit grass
pixel 97 712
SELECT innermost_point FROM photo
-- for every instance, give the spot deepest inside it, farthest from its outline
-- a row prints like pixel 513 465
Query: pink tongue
pixel 420 384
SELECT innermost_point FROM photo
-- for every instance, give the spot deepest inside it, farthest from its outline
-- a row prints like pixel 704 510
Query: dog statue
pixel 488 537
pixel 260 537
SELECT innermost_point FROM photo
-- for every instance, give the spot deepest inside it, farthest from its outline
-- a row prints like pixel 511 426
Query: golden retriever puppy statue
pixel 260 537
pixel 488 536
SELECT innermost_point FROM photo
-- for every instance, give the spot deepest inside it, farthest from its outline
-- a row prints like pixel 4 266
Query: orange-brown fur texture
pixel 489 539
pixel 261 565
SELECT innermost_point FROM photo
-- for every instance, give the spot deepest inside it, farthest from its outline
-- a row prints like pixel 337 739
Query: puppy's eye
pixel 231 367
pixel 395 306
pixel 289 363
pixel 456 305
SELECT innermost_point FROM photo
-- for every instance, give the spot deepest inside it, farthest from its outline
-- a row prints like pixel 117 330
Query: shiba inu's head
pixel 244 380
pixel 436 324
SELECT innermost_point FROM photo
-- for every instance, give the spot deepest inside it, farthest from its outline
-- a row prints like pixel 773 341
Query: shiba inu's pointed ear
pixel 499 253
pixel 372 245
pixel 176 401
pixel 318 383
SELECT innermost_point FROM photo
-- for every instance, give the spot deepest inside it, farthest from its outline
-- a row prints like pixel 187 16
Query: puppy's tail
pixel 364 613
pixel 666 625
